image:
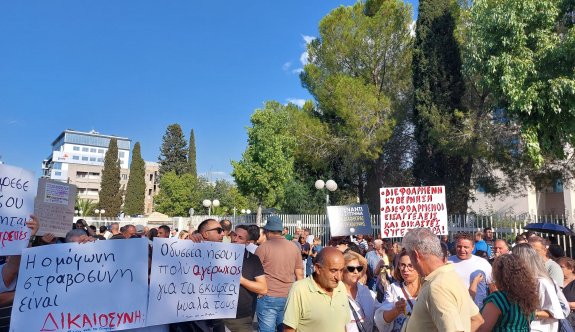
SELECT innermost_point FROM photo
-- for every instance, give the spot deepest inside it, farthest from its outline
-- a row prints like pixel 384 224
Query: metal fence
pixel 504 227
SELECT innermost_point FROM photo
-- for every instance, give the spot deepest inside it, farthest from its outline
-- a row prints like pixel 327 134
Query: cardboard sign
pixel 98 286
pixel 54 206
pixel 17 191
pixel 194 281
pixel 403 208
pixel 349 220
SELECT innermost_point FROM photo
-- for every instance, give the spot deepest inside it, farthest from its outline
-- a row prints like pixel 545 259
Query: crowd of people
pixel 424 282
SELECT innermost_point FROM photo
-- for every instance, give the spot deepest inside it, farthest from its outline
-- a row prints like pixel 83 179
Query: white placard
pixel 54 206
pixel 17 191
pixel 99 286
pixel 194 281
pixel 404 208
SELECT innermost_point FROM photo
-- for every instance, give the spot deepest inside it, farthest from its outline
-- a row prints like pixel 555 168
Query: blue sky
pixel 131 68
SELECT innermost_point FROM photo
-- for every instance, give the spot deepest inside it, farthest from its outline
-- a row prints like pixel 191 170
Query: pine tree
pixel 136 188
pixel 438 112
pixel 110 195
pixel 192 169
pixel 173 153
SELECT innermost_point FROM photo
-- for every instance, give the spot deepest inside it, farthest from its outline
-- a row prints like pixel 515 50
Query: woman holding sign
pixel 400 297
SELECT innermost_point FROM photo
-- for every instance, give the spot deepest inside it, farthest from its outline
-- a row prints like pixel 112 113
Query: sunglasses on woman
pixel 354 268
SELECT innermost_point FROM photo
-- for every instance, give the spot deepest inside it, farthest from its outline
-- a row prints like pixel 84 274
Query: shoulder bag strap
pixel 356 318
pixel 407 297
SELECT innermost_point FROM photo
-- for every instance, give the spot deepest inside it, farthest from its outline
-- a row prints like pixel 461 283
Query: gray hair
pixel 424 241
pixel 533 261
pixel 74 233
pixel 377 243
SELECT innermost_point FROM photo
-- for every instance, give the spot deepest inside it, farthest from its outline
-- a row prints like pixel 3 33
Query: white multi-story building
pixel 78 158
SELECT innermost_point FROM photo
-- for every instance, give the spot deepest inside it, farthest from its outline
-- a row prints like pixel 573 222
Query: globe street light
pixel 331 185
pixel 208 203
pixel 99 212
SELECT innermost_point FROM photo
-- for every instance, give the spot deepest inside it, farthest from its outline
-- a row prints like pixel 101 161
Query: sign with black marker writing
pixel 349 220
pixel 17 191
pixel 54 206
pixel 194 281
pixel 98 286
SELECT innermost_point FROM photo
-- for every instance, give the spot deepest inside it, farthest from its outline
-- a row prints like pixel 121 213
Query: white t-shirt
pixel 364 305
pixel 392 293
pixel 548 301
pixel 4 287
pixel 468 269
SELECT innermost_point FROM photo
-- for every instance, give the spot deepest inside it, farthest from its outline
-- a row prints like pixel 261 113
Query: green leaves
pixel 110 194
pixel 136 187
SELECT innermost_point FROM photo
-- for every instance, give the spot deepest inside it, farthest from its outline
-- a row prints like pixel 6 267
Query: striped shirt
pixel 511 318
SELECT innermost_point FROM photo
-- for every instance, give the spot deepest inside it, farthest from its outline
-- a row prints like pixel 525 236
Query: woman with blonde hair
pixel 549 309
pixel 512 306
pixel 361 299
pixel 400 297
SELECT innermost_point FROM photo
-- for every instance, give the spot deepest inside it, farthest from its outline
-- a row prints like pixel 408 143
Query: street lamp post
pixel 330 185
pixel 99 213
pixel 209 203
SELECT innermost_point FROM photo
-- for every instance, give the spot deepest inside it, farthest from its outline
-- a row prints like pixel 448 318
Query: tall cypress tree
pixel 136 188
pixel 173 153
pixel 439 88
pixel 110 195
pixel 192 169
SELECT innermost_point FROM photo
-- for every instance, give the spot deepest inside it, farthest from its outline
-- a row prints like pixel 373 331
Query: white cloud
pixel 303 58
pixel 412 29
pixel 308 39
pixel 286 66
pixel 296 101
pixel 297 70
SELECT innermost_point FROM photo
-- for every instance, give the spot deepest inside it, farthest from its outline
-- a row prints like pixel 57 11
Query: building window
pixel 93 150
pixel 151 177
pixel 100 160
pixel 57 173
pixel 92 158
pixel 100 150
pixel 85 149
pixel 124 176
pixel 57 166
pixel 121 154
pixel 85 158
pixel 149 192
pixel 76 148
pixel 558 186
pixel 76 157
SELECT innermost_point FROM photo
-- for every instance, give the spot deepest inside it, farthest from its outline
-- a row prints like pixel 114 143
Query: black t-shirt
pixel 305 247
pixel 251 269
pixel 569 291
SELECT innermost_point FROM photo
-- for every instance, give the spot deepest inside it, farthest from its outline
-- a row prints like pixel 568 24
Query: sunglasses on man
pixel 217 229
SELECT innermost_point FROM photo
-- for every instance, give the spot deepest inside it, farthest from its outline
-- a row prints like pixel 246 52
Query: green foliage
pixel 173 153
pixel 192 155
pixel 359 75
pixel 440 118
pixel 177 195
pixel 136 188
pixel 523 52
pixel 87 206
pixel 267 163
pixel 110 194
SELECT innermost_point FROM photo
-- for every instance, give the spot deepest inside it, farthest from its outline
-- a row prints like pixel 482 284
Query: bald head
pixel 328 254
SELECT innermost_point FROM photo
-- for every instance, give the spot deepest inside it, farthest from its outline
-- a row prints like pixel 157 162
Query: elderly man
pixel 373 258
pixel 540 246
pixel 443 303
pixel 282 266
pixel 319 303
pixel 252 284
pixel 468 266
pixel 500 247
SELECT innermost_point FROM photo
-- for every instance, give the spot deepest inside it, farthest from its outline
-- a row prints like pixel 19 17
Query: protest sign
pixel 349 220
pixel 403 208
pixel 98 286
pixel 54 206
pixel 17 191
pixel 194 281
